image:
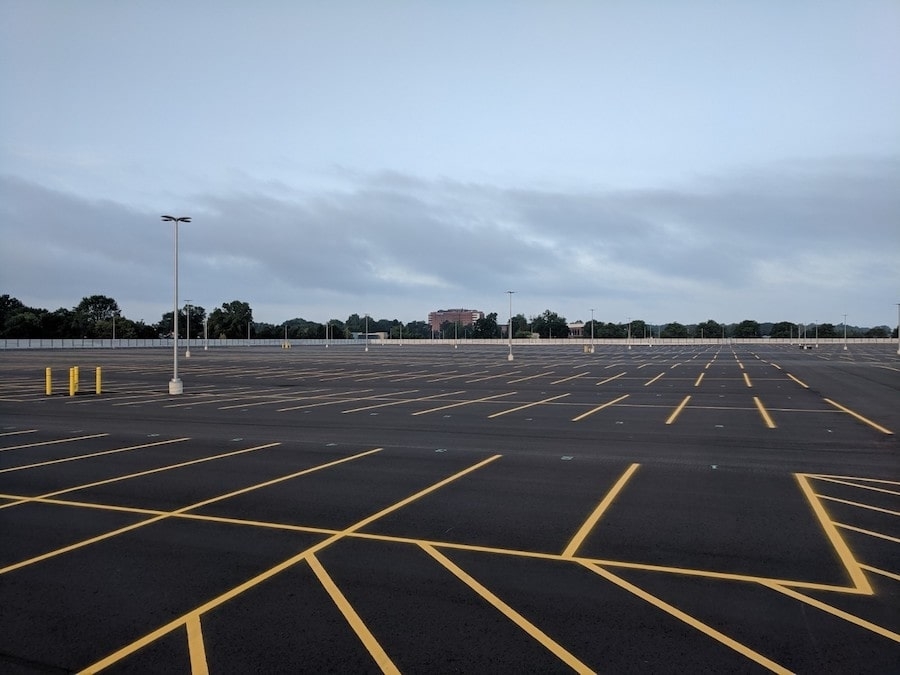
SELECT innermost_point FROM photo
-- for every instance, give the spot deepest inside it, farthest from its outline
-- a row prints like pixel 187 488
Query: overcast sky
pixel 668 161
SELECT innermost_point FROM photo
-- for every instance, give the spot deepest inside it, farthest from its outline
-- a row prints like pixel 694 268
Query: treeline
pixel 99 317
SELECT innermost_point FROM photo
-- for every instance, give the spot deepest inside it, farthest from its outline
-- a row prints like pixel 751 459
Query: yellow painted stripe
pixel 406 400
pixel 885 573
pixel 599 407
pixel 456 405
pixel 740 648
pixel 195 646
pixel 699 379
pixel 654 379
pixel 18 433
pixel 834 611
pixel 764 413
pixel 536 633
pixel 869 533
pixel 852 483
pixel 802 384
pixel 747 380
pixel 843 551
pixel 594 518
pixel 527 405
pixel 92 454
pixel 678 410
pixel 860 417
pixel 53 442
pixel 356 623
pixel 531 377
pixel 610 379
pixel 859 505
pixel 573 377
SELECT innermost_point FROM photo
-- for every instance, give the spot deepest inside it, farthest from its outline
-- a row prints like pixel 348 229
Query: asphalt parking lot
pixel 442 509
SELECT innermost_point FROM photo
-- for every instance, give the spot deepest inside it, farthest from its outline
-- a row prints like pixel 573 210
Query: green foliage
pixel 748 328
pixel 486 327
pixel 550 325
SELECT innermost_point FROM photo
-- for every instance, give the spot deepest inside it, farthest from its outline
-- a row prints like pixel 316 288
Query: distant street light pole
pixel 205 333
pixel 592 331
pixel 176 386
pixel 187 351
pixel 845 332
pixel 509 327
pixel 629 332
pixel 367 332
pixel 898 327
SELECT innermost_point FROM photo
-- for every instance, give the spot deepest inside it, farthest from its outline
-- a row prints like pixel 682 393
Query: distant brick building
pixel 461 316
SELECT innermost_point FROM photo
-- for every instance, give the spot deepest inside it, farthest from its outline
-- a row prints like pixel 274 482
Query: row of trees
pixel 99 316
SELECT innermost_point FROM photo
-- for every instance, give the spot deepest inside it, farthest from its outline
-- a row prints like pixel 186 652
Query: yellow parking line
pixel 599 407
pixel 530 377
pixel 53 442
pixel 678 410
pixel 802 384
pixel 610 379
pixel 356 623
pixel 699 379
pixel 764 413
pixel 456 405
pixel 869 533
pixel 860 417
pixel 837 542
pixel 540 636
pixel 527 405
pixel 405 400
pixel 196 649
pixel 740 648
pixel 17 433
pixel 654 379
pixel 598 512
pixel 573 377
pixel 747 380
pixel 91 454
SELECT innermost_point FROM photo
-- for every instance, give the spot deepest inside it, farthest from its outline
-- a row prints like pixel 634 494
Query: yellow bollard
pixel 71 381
pixel 48 381
pixel 99 377
pixel 77 379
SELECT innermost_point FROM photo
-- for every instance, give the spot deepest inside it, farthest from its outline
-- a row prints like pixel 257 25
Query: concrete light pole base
pixel 176 387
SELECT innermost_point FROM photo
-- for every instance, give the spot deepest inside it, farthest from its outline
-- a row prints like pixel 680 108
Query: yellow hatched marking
pixel 851 483
pixel 527 405
pixel 654 379
pixel 860 417
pixel 334 402
pixel 747 380
pixel 678 410
pixel 199 665
pixel 356 623
pixel 834 611
pixel 594 518
pixel 573 377
pixel 884 573
pixel 277 569
pixel 407 400
pixel 699 379
pixel 492 377
pixel 599 407
pixel 740 648
pixel 610 379
pixel 802 384
pixel 764 413
pixel 461 403
pixel 91 454
pixel 540 636
pixel 452 377
pixel 53 442
pixel 859 505
pixel 837 541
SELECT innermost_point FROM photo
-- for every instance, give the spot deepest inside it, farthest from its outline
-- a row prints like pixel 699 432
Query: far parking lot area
pixel 440 508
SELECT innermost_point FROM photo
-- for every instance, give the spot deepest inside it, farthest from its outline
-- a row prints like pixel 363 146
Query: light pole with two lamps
pixel 175 385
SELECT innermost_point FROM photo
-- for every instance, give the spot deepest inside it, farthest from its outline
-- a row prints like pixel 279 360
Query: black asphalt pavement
pixel 440 508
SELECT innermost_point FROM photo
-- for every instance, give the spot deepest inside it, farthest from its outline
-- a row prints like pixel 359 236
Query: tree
pixel 230 321
pixel 550 324
pixel 748 328
pixel 674 330
pixel 92 311
pixel 709 329
pixel 486 327
pixel 783 329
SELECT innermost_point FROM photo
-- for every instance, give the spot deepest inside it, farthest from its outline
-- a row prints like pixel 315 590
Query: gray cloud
pixel 802 240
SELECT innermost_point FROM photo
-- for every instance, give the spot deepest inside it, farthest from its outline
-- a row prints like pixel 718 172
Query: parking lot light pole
pixel 187 350
pixel 845 332
pixel 898 327
pixel 509 327
pixel 592 331
pixel 175 385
